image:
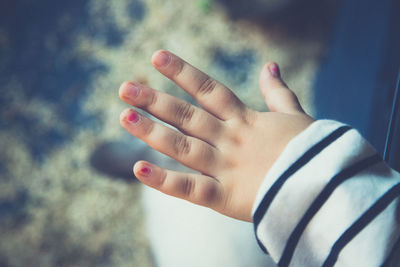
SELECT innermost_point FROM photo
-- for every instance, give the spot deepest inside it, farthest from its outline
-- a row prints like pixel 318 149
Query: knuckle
pixel 205 194
pixel 188 187
pixel 249 117
pixel 163 178
pixel 148 129
pixel 207 86
pixel 229 164
pixel 208 194
pixel 184 114
pixel 226 200
pixel 178 67
pixel 205 154
pixel 153 99
pixel 182 145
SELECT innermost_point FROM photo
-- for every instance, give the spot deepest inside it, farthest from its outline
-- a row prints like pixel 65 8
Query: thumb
pixel 278 97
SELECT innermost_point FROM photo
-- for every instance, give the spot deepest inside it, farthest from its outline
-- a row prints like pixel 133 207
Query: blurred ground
pixel 61 64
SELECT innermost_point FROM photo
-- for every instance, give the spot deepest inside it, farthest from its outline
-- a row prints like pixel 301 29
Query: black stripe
pixel 272 192
pixel 319 201
pixel 392 253
pixel 361 223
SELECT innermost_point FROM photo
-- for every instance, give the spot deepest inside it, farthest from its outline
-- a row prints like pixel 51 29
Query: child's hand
pixel 232 145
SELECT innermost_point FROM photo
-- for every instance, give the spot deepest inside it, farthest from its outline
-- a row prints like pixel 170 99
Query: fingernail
pixel 133 117
pixel 132 90
pixel 145 171
pixel 162 59
pixel 274 70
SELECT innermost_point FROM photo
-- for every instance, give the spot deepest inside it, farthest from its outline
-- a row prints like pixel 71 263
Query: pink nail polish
pixel 145 171
pixel 133 117
pixel 274 70
pixel 132 90
pixel 162 59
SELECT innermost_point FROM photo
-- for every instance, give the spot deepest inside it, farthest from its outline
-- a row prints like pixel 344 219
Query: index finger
pixel 213 96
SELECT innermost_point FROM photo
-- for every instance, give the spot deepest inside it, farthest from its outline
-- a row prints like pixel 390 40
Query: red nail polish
pixel 133 117
pixel 162 59
pixel 274 70
pixel 145 171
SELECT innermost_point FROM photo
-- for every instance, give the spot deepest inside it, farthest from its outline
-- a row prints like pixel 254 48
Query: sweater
pixel 329 200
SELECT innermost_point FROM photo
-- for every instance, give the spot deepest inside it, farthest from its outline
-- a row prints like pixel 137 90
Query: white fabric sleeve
pixel 329 200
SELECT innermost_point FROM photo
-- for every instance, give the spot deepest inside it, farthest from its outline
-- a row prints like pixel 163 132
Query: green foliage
pixel 205 5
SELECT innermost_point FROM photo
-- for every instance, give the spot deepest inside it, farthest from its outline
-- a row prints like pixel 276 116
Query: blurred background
pixel 64 198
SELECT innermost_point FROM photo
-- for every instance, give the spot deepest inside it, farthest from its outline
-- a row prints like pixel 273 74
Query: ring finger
pixel 190 151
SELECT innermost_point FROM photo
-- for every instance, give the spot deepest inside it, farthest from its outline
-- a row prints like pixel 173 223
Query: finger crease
pixel 163 178
pixel 149 129
pixel 207 86
pixel 182 145
pixel 184 114
pixel 188 187
pixel 179 69
pixel 153 99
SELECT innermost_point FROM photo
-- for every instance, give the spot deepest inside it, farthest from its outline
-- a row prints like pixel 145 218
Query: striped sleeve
pixel 329 200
